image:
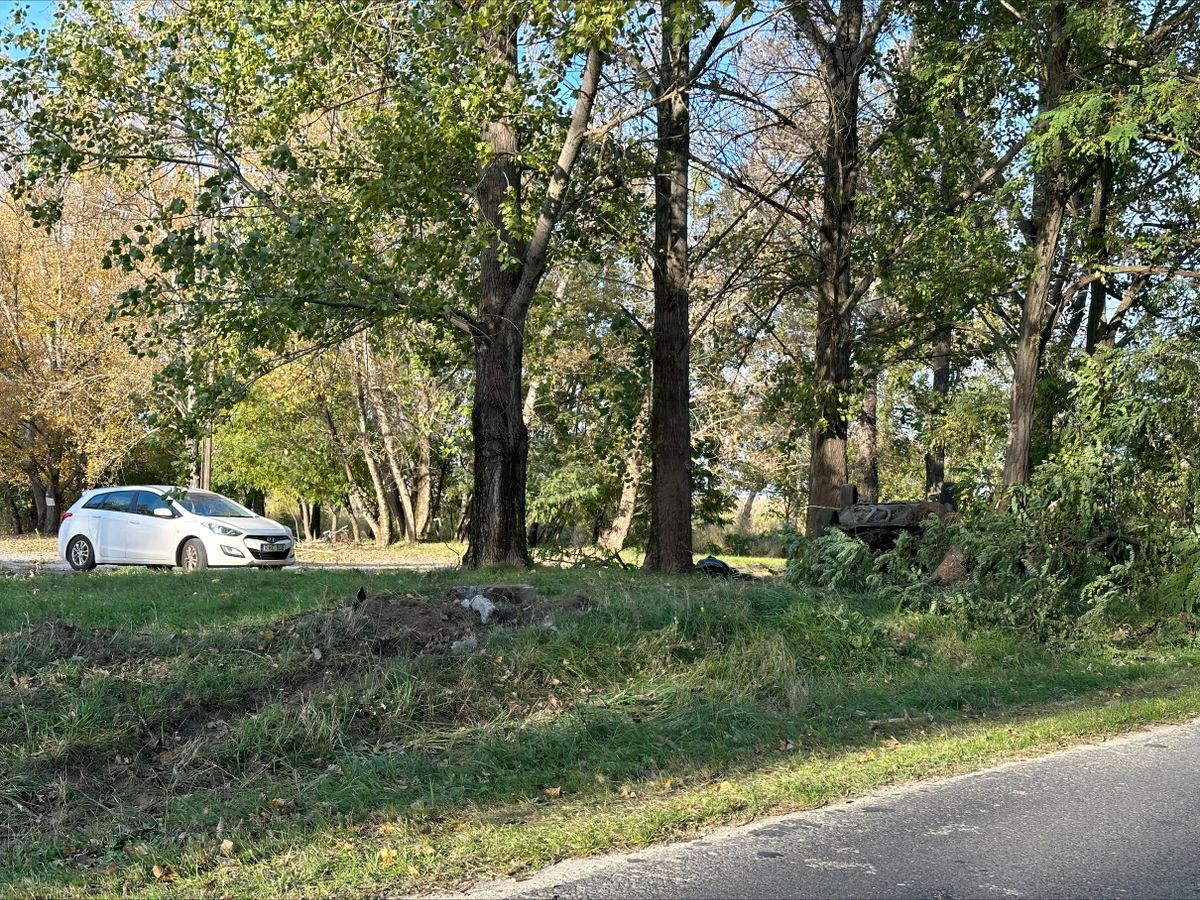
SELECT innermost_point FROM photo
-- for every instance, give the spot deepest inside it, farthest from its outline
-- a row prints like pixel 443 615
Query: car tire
pixel 193 557
pixel 81 555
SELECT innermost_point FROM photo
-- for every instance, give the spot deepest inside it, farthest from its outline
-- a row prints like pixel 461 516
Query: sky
pixel 39 13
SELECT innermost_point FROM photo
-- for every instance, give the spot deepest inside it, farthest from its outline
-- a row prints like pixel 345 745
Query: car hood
pixel 256 525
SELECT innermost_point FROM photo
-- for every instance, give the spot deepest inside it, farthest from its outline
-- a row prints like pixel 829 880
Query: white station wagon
pixel 163 527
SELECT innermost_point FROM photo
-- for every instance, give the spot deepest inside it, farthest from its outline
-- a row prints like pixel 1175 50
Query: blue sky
pixel 40 11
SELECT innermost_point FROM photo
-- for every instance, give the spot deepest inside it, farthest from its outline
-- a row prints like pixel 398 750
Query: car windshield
pixel 201 504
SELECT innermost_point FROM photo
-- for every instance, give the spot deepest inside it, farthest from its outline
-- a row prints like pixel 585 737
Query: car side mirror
pixel 163 513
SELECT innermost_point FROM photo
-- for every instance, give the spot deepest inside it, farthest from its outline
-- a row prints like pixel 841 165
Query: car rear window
pixel 112 501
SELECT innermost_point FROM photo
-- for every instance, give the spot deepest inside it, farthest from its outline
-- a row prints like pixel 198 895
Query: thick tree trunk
pixel 868 441
pixel 1049 212
pixel 935 456
pixel 38 493
pixel 670 548
pixel 496 531
pixel 1028 358
pixel 842 60
pixel 510 270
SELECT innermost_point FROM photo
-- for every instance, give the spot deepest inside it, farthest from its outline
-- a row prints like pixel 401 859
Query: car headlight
pixel 218 528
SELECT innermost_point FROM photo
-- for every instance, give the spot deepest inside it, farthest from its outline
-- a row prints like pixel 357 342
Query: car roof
pixel 160 488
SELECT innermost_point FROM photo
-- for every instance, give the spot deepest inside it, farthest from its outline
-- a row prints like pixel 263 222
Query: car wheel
pixel 80 554
pixel 193 557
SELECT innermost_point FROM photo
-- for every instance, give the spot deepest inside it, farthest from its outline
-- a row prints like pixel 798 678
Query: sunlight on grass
pixel 155 717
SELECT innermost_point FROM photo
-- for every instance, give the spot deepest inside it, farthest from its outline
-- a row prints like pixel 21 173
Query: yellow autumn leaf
pixel 387 856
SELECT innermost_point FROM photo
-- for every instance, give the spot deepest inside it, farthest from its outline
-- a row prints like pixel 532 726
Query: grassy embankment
pixel 240 732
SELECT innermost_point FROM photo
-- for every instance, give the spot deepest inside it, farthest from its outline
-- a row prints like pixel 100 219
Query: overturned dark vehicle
pixel 878 525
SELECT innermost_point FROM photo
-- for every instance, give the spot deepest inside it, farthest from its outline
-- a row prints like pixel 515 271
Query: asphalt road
pixel 1118 819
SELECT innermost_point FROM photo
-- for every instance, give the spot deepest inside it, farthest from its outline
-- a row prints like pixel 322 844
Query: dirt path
pixel 38 555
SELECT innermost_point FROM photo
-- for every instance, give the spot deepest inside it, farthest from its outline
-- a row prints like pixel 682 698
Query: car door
pixel 150 538
pixel 115 515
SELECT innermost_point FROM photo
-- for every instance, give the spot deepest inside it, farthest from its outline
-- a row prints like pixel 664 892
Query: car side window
pixel 118 501
pixel 147 503
pixel 96 502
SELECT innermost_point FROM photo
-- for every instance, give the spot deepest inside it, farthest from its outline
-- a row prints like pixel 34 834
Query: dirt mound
pixel 412 623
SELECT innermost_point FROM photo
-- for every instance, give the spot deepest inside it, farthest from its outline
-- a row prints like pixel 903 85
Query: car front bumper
pixel 251 550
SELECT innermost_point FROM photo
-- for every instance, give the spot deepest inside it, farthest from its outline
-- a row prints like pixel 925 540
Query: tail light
pixel 65 516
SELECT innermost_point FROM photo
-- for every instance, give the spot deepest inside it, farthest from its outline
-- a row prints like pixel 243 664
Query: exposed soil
pixel 394 623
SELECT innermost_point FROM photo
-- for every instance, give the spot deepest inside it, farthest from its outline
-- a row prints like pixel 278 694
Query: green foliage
pixel 1103 536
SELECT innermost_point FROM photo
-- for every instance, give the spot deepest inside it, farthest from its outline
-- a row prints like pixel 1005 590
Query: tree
pixel 67 415
pixel 844 46
pixel 332 174
pixel 511 268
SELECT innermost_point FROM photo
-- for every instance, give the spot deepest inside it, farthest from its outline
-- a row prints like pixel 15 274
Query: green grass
pixel 146 718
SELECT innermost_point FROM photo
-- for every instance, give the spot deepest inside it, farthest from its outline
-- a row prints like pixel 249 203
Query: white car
pixel 163 527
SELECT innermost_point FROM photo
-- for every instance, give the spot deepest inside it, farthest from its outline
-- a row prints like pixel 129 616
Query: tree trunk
pixel 496 531
pixel 304 529
pixel 935 456
pixel 422 501
pixel 401 504
pixel 435 509
pixel 510 270
pixel 1049 211
pixel 868 441
pixel 14 509
pixel 357 497
pixel 256 500
pixel 612 537
pixel 746 513
pixel 670 548
pixel 1098 333
pixel 842 60
pixel 383 524
pixel 46 498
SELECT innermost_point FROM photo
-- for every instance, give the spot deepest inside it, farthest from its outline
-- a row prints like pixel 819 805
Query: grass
pixel 172 735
